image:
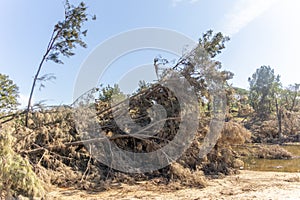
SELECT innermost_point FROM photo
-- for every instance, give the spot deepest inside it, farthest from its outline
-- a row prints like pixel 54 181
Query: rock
pixel 237 163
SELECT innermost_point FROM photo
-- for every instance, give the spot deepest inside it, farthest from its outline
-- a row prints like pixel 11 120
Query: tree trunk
pixel 32 88
pixel 49 48
pixel 279 118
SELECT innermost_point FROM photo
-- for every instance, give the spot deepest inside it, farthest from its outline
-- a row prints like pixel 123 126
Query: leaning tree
pixel 66 36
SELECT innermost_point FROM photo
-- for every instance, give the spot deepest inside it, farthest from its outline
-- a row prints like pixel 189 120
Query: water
pixel 292 165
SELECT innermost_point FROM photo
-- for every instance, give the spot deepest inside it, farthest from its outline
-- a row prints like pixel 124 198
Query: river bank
pixel 246 185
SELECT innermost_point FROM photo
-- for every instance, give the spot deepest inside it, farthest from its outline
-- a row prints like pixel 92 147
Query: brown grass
pixel 273 152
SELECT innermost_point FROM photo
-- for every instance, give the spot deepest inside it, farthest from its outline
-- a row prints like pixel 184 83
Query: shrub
pixel 273 152
pixel 16 175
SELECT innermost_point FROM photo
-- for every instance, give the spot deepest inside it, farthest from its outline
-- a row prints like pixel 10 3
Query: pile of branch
pixel 62 155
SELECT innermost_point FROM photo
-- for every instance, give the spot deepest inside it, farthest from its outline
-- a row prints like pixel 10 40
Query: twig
pixel 137 135
pixel 88 164
pixel 50 147
pixel 142 92
pixel 12 116
pixel 42 156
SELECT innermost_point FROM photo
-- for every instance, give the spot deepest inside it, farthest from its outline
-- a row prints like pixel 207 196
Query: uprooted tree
pixel 204 76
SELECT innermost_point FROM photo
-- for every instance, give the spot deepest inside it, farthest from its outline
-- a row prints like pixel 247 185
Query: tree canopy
pixel 9 93
pixel 66 36
pixel 263 86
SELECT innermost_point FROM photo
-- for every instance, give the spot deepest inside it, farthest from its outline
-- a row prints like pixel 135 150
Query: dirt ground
pixel 246 185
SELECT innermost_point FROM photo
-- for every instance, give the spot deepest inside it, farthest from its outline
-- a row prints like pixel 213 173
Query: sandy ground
pixel 246 185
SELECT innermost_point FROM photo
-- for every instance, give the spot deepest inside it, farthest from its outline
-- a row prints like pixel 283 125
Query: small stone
pixel 237 163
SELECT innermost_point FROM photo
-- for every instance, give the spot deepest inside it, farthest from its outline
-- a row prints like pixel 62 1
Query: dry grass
pixel 186 177
pixel 233 134
pixel 272 152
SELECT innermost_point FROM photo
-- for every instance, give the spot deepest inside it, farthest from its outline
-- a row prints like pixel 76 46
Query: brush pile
pixel 171 118
pixel 268 131
pixel 58 155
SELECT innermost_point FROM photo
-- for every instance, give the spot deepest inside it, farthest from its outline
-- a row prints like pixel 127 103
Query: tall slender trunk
pixel 49 48
pixel 33 86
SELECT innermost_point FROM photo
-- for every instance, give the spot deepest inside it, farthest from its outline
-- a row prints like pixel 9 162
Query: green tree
pixel 264 85
pixel 201 70
pixel 9 93
pixel 66 36
pixel 198 66
pixel 291 94
pixel 287 104
pixel 213 44
pixel 240 102
pixel 109 92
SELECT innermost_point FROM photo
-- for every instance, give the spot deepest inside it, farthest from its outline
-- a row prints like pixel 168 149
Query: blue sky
pixel 263 32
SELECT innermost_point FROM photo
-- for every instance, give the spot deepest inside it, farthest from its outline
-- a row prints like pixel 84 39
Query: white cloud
pixel 176 2
pixel 245 11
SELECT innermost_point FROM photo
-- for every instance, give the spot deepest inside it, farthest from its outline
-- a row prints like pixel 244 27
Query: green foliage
pixel 8 94
pixel 239 103
pixel 142 85
pixel 270 99
pixel 16 175
pixel 67 34
pixel 241 92
pixel 213 44
pixel 199 68
pixel 44 78
pixel 202 71
pixel 264 86
pixel 290 96
pixel 107 93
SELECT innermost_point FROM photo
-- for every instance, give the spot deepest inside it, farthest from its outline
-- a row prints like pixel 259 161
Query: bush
pixel 273 152
pixel 186 176
pixel 233 134
pixel 16 175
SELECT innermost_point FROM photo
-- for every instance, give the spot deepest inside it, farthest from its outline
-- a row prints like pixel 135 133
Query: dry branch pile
pixel 273 152
pixel 60 142
pixel 268 131
pixel 58 156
